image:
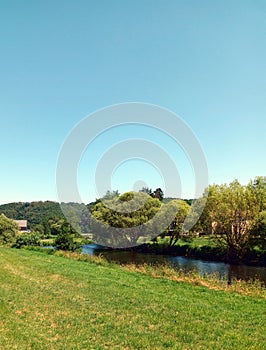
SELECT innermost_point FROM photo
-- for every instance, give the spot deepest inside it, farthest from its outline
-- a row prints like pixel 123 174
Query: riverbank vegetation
pixel 233 215
pixel 50 302
pixel 236 216
pixel 206 248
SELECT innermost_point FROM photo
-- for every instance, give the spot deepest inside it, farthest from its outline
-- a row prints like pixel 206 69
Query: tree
pixel 175 229
pixel 147 190
pixel 108 196
pixel 34 212
pixel 39 229
pixel 46 229
pixel 85 220
pixel 121 221
pixel 8 230
pixel 231 210
pixel 258 189
pixel 56 226
pixel 64 239
pixel 158 193
pixel 258 231
pixel 199 215
pixel 43 229
pixel 111 194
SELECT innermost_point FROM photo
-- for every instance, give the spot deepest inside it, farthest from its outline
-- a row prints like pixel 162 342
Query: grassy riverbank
pixel 50 302
pixel 205 248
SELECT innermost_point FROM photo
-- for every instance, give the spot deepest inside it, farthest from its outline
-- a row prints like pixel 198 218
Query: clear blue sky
pixel 62 60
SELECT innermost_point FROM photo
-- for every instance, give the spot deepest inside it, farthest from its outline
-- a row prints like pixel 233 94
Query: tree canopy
pixel 235 214
pixel 8 230
pixel 34 212
pixel 123 220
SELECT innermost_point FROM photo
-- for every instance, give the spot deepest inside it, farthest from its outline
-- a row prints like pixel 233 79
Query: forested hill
pixel 34 212
pixel 39 212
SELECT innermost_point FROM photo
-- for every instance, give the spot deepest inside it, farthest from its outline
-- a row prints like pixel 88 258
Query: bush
pixel 27 239
pixel 64 241
pixel 8 230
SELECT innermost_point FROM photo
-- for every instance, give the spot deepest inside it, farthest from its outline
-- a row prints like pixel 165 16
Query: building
pixel 22 225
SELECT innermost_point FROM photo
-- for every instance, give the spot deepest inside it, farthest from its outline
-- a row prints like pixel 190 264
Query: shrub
pixel 64 241
pixel 8 230
pixel 27 239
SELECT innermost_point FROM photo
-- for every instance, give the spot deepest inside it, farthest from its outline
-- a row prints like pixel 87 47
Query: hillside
pixel 50 302
pixel 34 212
pixel 39 212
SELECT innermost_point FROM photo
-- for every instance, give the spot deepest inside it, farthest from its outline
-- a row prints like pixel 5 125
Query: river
pixel 203 267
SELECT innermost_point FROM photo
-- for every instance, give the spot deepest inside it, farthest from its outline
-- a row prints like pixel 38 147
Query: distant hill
pixel 34 212
pixel 40 212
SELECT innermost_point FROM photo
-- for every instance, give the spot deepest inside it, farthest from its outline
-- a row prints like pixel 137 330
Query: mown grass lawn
pixel 50 302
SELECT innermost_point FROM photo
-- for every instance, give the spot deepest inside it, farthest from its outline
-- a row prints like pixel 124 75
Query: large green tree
pixel 123 220
pixel 232 211
pixel 8 230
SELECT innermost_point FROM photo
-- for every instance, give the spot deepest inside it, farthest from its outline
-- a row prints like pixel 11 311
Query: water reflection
pixel 225 271
pixel 201 266
pixel 92 249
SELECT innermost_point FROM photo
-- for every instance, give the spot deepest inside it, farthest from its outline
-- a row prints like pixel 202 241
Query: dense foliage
pixel 35 212
pixel 129 212
pixel 235 215
pixel 65 241
pixel 8 230
pixel 27 239
pixel 175 230
pixel 47 217
pixel 65 238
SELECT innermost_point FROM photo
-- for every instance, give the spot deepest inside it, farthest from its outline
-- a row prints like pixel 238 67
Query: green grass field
pixel 50 302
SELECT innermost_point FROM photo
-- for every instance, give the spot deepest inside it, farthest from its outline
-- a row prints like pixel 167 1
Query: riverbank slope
pixel 50 302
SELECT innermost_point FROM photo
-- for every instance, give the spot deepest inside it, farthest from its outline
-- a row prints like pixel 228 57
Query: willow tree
pixel 232 210
pixel 123 220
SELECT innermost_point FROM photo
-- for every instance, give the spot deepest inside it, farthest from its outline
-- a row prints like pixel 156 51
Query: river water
pixel 223 270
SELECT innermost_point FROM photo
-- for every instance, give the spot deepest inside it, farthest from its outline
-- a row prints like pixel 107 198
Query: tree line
pixel 234 214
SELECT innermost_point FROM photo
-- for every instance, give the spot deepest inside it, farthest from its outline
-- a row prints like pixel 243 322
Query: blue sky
pixel 62 60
